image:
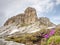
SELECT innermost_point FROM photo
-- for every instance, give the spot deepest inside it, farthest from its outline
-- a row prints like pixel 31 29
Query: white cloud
pixel 56 18
pixel 57 2
pixel 40 5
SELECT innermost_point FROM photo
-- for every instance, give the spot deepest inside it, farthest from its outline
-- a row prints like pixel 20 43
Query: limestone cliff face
pixel 29 16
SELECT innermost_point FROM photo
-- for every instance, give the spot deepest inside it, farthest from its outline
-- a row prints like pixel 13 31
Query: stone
pixel 2 42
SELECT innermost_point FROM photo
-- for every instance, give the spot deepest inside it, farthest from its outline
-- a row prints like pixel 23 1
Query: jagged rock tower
pixel 30 15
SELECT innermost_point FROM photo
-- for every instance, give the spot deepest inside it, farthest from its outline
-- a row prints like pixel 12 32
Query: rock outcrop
pixel 29 16
pixel 45 21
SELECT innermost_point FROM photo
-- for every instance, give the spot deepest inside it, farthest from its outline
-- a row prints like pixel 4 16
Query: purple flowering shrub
pixel 49 34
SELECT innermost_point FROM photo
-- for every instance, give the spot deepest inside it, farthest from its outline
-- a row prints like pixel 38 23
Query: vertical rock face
pixel 29 16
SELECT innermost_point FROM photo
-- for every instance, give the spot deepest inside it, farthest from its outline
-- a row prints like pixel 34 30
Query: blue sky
pixel 54 14
pixel 44 8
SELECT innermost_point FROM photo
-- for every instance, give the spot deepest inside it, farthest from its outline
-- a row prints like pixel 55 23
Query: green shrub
pixel 57 31
pixel 54 40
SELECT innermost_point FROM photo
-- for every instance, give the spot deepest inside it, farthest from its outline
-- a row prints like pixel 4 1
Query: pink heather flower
pixel 46 36
pixel 51 32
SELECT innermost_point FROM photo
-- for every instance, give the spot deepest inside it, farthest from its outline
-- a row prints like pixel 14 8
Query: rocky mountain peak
pixel 28 17
pixel 29 9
